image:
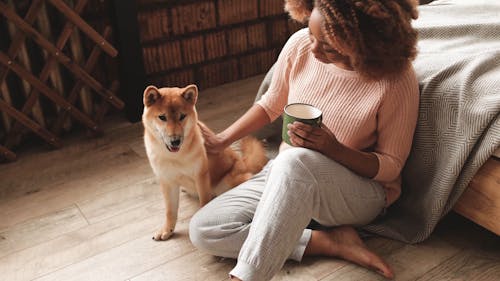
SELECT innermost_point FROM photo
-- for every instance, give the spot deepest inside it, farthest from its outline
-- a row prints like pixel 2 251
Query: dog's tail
pixel 253 154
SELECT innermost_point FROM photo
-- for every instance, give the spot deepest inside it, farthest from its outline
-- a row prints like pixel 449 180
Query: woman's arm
pixel 254 119
pixel 322 139
pixel 362 163
pixel 270 106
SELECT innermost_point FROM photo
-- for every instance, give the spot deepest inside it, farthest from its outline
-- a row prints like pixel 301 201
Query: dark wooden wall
pixel 210 42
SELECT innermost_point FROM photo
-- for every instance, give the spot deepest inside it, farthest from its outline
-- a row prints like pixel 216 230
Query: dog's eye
pixel 182 117
pixel 162 117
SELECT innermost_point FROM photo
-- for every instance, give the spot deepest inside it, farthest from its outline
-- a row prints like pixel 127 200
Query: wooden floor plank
pixel 467 265
pixel 79 245
pixel 201 266
pixel 80 186
pixel 109 204
pixel 129 259
pixel 236 98
pixel 293 271
pixel 31 178
pixel 193 266
pixel 412 261
pixel 40 229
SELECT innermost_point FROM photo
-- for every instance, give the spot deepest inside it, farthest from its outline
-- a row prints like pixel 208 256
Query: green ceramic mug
pixel 301 112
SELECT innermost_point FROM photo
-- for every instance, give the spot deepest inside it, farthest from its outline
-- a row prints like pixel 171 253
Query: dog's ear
pixel 151 95
pixel 190 94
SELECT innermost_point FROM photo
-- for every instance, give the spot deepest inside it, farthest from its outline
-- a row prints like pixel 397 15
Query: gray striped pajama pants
pixel 263 221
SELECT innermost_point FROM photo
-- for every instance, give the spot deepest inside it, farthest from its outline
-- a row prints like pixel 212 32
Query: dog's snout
pixel 175 142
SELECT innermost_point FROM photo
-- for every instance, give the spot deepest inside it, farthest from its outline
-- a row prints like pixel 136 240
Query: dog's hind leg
pixel 171 196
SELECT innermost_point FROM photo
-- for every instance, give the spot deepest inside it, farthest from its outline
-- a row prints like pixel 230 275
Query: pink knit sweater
pixel 379 116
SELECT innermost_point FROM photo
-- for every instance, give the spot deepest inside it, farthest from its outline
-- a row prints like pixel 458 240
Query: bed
pixel 480 201
pixel 452 164
pixel 458 67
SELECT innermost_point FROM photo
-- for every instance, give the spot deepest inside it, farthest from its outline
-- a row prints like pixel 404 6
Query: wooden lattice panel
pixel 48 82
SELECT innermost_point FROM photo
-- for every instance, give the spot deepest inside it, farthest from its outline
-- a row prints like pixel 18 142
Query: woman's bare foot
pixel 344 242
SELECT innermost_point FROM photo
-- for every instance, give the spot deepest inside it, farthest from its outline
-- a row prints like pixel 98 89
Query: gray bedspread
pixel 458 129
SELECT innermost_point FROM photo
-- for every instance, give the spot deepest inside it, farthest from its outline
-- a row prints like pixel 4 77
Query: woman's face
pixel 319 47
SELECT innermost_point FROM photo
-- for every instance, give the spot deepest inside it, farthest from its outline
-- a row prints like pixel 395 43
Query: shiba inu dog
pixel 175 148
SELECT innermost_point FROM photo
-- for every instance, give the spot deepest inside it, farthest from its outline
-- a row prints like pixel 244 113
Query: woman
pixel 354 63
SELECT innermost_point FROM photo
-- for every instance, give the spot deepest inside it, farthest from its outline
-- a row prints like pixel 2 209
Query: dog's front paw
pixel 163 234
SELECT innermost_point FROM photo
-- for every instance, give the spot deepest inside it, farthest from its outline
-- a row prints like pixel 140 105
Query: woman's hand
pixel 317 138
pixel 213 143
pixel 324 141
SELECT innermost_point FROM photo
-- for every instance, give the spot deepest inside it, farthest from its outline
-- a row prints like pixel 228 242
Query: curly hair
pixel 299 10
pixel 376 35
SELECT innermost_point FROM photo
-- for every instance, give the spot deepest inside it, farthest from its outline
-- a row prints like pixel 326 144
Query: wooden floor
pixel 88 211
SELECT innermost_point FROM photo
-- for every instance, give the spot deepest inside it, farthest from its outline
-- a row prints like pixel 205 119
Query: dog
pixel 175 148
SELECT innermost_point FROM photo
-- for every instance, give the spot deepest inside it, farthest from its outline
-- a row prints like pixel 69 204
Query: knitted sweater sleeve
pixel 396 122
pixel 276 97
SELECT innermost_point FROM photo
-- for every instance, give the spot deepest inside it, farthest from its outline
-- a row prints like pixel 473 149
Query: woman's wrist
pixel 335 151
pixel 224 139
